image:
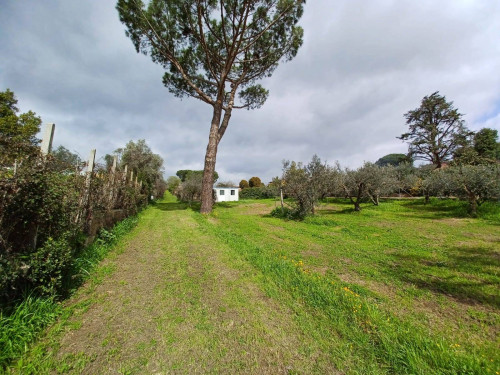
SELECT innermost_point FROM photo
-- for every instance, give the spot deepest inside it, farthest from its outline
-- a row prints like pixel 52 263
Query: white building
pixel 226 194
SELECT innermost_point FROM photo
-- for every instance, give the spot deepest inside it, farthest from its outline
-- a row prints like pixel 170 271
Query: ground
pixel 241 292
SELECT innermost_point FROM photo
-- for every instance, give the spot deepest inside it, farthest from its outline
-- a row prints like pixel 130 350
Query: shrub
pixel 258 193
pixel 287 213
pixel 49 265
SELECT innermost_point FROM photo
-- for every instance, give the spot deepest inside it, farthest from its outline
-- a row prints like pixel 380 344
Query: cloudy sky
pixel 362 66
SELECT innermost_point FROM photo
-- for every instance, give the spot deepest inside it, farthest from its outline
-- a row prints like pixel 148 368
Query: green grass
pixel 21 323
pixel 404 287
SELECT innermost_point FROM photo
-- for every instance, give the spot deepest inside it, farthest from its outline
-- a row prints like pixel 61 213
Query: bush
pixel 287 213
pixel 262 192
pixel 49 265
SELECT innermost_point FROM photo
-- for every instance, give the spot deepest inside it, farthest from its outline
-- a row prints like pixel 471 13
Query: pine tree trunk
pixel 210 158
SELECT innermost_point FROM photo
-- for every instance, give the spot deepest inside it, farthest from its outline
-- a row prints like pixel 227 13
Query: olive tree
pixel 474 183
pixel 306 184
pixel 369 182
pixel 190 189
pixel 215 51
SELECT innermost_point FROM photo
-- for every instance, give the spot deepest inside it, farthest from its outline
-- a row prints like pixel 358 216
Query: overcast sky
pixel 363 64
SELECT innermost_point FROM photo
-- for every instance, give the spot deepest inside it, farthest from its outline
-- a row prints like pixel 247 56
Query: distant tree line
pixel 462 163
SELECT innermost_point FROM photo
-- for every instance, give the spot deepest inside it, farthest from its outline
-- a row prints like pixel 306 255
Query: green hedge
pixel 262 192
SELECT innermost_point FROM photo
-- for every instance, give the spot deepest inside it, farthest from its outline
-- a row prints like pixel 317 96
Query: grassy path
pixel 173 299
pixel 403 288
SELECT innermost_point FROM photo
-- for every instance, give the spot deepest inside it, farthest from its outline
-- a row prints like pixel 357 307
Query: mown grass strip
pixel 22 324
pixel 380 341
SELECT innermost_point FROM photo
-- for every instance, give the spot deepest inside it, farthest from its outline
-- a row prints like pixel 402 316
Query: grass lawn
pixel 403 288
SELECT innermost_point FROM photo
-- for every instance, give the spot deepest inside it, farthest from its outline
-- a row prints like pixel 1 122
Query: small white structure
pixel 226 194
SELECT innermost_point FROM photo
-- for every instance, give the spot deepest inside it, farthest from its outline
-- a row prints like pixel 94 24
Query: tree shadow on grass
pixel 468 274
pixel 176 206
pixel 437 208
pixel 225 204
pixel 194 206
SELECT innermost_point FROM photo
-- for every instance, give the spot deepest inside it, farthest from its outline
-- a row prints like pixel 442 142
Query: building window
pixel 221 192
pixel 232 192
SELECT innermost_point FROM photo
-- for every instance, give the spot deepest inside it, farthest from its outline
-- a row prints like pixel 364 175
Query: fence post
pixel 48 136
pixel 84 201
pixel 125 172
pixel 112 182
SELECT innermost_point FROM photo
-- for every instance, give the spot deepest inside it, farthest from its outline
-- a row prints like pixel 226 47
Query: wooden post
pixel 124 177
pixel 281 198
pixel 48 136
pixel 84 201
pixel 112 182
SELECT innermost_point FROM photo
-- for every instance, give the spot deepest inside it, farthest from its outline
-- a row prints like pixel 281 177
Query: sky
pixel 362 66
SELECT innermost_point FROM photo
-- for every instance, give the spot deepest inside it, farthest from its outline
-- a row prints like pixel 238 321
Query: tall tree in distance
pixel 17 131
pixel 394 160
pixel 486 145
pixel 215 51
pixel 436 130
pixel 255 182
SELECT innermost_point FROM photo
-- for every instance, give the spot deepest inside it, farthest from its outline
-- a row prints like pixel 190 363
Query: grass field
pixel 403 288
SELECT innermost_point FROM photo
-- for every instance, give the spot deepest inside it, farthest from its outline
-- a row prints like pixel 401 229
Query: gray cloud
pixel 362 66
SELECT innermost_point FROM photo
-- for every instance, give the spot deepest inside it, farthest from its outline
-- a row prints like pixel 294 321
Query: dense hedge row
pixel 261 192
pixel 47 208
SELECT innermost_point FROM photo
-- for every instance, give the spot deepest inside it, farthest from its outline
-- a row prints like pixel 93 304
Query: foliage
pixel 394 160
pixel 306 184
pixel 481 149
pixel 146 165
pixel 17 131
pixel 183 174
pixel 38 203
pixel 22 326
pixel 474 183
pixel 486 144
pixel 66 158
pixel 406 179
pixel 190 189
pixel 225 184
pixel 254 182
pixel 285 213
pixel 215 51
pixel 173 183
pixel 436 130
pixel 244 184
pixel 44 210
pixel 380 181
pixel 22 322
pixel 262 192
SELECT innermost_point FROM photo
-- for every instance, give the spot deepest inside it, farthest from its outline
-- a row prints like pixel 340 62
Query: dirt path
pixel 176 301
